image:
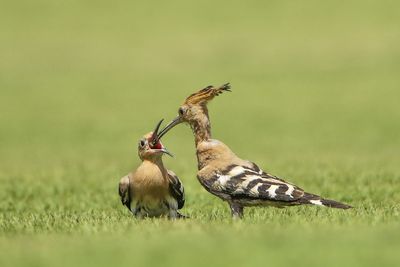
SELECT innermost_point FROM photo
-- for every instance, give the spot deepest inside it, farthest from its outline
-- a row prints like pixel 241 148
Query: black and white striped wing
pixel 176 189
pixel 125 192
pixel 252 183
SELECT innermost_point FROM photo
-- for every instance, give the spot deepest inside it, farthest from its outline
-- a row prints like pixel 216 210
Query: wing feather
pixel 125 192
pixel 176 189
pixel 251 182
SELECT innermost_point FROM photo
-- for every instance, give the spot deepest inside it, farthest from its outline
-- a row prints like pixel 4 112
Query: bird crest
pixel 206 94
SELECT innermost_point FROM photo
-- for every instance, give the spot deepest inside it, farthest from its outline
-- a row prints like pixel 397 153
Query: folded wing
pixel 251 182
pixel 125 192
pixel 176 189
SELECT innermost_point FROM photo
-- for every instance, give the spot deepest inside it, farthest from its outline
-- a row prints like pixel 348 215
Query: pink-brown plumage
pixel 152 190
pixel 221 172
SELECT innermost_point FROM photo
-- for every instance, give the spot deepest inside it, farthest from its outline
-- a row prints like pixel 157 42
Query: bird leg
pixel 173 214
pixel 237 210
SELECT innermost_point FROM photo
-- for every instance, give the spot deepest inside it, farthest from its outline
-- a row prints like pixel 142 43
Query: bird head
pixel 150 146
pixel 195 106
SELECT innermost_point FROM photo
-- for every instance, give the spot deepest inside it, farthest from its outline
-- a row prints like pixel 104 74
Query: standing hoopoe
pixel 239 182
pixel 152 190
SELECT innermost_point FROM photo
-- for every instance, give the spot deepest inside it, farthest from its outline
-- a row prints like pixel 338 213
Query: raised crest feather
pixel 206 94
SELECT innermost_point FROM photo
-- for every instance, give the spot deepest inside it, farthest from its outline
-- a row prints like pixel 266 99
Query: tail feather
pixel 317 200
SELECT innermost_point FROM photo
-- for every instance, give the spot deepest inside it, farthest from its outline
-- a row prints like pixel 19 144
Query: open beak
pixel 156 140
pixel 165 151
pixel 171 125
pixel 156 137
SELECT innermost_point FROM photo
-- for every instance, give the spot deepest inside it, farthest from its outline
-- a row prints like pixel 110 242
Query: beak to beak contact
pixel 156 139
pixel 171 125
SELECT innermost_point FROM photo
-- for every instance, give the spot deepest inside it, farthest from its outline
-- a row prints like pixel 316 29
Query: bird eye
pixel 181 111
pixel 142 143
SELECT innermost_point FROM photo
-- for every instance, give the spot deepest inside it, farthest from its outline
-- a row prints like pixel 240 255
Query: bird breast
pixel 214 154
pixel 150 181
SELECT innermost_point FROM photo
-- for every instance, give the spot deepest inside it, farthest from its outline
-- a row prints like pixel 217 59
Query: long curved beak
pixel 171 125
pixel 165 151
pixel 156 138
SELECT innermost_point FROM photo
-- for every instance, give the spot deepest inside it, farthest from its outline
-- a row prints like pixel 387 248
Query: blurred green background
pixel 315 100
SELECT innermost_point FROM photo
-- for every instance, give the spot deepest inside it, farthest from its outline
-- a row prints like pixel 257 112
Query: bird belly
pixel 261 202
pixel 149 206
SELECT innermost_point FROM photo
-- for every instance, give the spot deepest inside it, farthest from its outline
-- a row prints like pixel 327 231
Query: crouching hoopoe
pixel 239 182
pixel 152 190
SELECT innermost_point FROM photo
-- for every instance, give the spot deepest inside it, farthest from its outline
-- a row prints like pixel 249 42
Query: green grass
pixel 315 100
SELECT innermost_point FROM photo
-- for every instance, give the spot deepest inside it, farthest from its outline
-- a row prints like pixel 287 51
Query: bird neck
pixel 151 173
pixel 157 162
pixel 201 126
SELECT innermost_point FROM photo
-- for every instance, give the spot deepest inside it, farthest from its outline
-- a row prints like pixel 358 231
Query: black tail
pixel 317 200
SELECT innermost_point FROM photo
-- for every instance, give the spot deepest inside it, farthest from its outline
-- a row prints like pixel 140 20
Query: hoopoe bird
pixel 239 182
pixel 152 190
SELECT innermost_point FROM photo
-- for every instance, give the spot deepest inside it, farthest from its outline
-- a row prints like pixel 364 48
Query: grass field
pixel 315 100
